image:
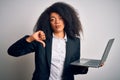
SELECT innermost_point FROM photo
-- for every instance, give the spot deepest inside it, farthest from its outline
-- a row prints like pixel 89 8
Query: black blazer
pixel 43 57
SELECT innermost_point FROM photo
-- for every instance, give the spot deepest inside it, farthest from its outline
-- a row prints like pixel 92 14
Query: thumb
pixel 42 42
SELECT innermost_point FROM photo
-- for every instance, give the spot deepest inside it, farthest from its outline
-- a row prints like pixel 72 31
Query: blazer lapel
pixel 68 52
pixel 48 50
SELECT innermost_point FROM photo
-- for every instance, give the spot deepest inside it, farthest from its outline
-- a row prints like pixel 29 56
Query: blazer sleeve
pixel 78 69
pixel 21 47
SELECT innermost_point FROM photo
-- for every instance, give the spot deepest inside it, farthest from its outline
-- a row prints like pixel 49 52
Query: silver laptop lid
pixel 107 50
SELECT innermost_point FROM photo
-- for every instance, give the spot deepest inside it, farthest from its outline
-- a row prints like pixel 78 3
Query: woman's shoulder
pixel 73 38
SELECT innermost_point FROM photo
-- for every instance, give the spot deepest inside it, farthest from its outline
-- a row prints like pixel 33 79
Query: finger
pixel 42 35
pixel 101 64
pixel 42 38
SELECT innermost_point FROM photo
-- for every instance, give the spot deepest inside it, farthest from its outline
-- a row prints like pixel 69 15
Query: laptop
pixel 93 62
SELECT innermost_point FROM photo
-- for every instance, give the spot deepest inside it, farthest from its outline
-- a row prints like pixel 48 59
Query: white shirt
pixel 57 58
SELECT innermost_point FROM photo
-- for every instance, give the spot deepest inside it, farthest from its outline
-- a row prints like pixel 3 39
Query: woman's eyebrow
pixel 52 17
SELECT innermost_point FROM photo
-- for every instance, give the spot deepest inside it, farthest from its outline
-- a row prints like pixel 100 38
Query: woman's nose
pixel 57 21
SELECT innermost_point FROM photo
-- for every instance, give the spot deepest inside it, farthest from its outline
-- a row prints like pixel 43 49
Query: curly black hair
pixel 73 25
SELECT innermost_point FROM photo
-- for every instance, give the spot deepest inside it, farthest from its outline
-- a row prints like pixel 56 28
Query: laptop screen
pixel 107 50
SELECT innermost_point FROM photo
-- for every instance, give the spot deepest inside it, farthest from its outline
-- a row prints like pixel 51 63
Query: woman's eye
pixel 52 19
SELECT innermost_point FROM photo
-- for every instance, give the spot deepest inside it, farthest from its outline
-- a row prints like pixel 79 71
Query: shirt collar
pixel 65 37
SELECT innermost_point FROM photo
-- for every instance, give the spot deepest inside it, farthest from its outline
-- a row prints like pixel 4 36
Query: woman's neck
pixel 59 35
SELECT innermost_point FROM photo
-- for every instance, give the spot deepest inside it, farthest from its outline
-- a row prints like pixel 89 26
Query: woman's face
pixel 57 23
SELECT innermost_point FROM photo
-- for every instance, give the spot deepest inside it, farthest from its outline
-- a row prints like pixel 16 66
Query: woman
pixel 55 43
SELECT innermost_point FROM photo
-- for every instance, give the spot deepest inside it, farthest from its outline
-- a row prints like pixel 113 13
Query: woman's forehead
pixel 54 14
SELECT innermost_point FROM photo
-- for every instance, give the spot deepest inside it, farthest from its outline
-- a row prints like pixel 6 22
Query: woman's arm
pixel 21 47
pixel 78 69
pixel 27 44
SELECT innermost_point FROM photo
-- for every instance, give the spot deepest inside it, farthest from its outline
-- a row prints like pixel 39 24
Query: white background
pixel 100 20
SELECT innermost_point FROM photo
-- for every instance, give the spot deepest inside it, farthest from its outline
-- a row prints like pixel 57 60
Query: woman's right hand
pixel 38 36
